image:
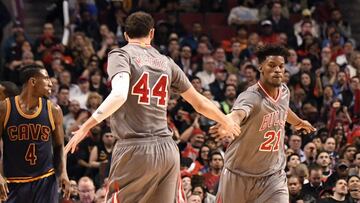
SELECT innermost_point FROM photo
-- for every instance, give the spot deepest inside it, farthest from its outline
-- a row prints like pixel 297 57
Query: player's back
pixel 28 142
pixel 151 77
pixel 258 151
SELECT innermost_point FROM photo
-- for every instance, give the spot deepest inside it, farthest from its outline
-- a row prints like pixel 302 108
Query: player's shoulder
pixel 284 88
pixel 55 108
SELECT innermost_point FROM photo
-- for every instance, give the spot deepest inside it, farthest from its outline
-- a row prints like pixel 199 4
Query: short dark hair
pixel 213 153
pixel 11 89
pixel 65 87
pixel 271 50
pixel 138 24
pixel 29 71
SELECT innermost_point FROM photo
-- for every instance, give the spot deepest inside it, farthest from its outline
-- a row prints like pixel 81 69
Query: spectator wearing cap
pixel 294 186
pixel 354 188
pixel 191 140
pixel 211 178
pixel 315 185
pixel 341 171
pixel 323 160
pixel 267 35
pixel 218 86
pixel 340 191
pixel 81 92
pixel 306 15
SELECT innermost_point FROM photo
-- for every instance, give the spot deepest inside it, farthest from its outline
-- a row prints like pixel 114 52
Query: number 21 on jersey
pixel 144 92
pixel 271 143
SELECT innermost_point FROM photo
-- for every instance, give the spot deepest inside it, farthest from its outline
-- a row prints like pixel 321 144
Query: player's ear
pixel 126 36
pixel 32 81
pixel 152 33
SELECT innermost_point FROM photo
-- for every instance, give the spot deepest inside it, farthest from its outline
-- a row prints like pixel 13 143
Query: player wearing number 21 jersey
pixel 255 160
pixel 145 165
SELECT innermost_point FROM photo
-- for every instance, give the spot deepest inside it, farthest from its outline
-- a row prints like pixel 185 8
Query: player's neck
pixel 28 99
pixel 271 90
pixel 145 41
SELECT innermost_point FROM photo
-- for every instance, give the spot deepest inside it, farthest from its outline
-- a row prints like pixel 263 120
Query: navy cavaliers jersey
pixel 28 142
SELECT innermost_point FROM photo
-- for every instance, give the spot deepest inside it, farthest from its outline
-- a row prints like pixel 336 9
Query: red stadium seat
pixel 219 33
pixel 215 19
pixel 159 16
pixel 188 19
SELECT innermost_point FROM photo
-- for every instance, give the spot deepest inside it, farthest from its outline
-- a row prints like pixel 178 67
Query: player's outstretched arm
pixel 204 106
pixel 3 186
pixel 236 115
pixel 58 148
pixel 116 98
pixel 299 123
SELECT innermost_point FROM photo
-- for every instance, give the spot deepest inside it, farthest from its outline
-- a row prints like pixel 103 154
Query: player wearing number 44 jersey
pixel 145 164
pixel 33 137
pixel 255 160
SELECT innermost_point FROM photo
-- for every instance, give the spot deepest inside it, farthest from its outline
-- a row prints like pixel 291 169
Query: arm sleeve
pixel 118 61
pixel 246 101
pixel 116 98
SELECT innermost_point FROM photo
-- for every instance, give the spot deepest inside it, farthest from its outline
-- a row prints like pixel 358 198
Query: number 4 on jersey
pixel 142 89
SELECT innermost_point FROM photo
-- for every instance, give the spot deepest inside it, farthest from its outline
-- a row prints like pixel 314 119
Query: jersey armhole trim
pixel 8 110
pixel 51 117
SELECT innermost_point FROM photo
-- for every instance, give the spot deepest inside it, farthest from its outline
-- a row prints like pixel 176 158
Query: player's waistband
pixel 29 178
pixel 241 173
pixel 144 141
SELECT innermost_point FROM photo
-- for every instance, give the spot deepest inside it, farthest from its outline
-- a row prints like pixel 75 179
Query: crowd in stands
pixel 214 43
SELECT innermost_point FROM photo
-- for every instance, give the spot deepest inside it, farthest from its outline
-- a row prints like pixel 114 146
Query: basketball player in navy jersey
pixel 32 131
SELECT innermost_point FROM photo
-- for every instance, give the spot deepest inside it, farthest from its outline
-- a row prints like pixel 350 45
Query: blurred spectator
pixel 341 25
pixel 341 172
pixel 230 97
pixel 81 92
pixel 193 37
pixel 315 185
pixel 244 14
pixel 307 16
pixel 205 196
pixel 97 84
pixel 93 101
pixel 100 195
pixel 340 192
pixel 63 99
pixel 194 199
pixel 267 34
pixel 218 86
pixel 292 65
pixel 5 19
pixel 8 89
pixel 100 157
pixel 323 160
pixel 354 188
pixel 211 178
pixel 295 142
pixel 294 186
pixel 279 22
pixel 46 41
pixel 207 75
pixel 293 160
pixel 184 62
pixel 86 190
